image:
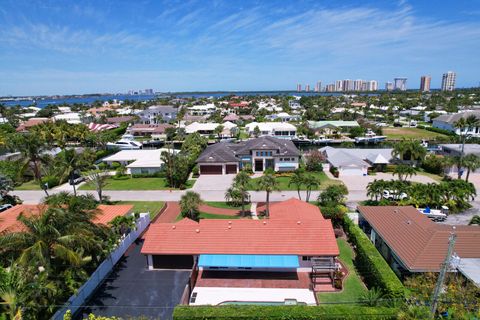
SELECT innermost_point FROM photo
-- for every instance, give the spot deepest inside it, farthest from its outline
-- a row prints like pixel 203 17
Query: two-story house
pixel 158 114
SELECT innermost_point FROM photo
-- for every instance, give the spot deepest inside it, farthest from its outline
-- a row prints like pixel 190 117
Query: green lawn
pixel 353 287
pixel 224 205
pixel 204 215
pixel 410 133
pixel 435 177
pixel 283 182
pixel 29 185
pixel 136 184
pixel 153 207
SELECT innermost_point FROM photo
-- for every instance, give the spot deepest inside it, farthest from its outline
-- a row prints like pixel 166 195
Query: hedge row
pixel 371 265
pixel 442 131
pixel 249 312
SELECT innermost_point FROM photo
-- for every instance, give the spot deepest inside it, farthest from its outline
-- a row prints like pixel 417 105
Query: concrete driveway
pixel 355 183
pixel 213 182
pixel 132 291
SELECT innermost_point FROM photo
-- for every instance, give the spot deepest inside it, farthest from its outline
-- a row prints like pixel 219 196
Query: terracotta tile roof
pixel 110 212
pixel 418 242
pixel 9 222
pixel 149 128
pixel 24 126
pixel 294 227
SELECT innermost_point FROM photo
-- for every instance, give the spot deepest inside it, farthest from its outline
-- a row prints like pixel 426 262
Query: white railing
pixel 75 302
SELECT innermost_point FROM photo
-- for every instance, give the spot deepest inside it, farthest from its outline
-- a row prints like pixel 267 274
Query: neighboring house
pixel 281 130
pixel 332 127
pixel 208 128
pixel 139 161
pixel 411 242
pixel 189 118
pixel 98 111
pixel 158 114
pixel 447 122
pixel 287 250
pixel 148 129
pixel 202 110
pixel 456 149
pixel 260 154
pixel 119 120
pixel 26 125
pixel 232 117
pixel 356 161
pixel 10 223
pixel 72 117
pixel 294 104
pixel 282 116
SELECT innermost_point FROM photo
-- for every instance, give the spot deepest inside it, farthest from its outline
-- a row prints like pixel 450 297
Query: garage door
pixel 172 262
pixel 351 172
pixel 210 169
pixel 231 168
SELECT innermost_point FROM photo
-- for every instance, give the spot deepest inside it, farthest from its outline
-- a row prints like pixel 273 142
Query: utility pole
pixel 443 271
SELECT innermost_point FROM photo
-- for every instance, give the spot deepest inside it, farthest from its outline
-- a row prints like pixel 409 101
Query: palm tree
pixel 404 171
pixel 31 147
pixel 465 125
pixel 311 182
pixel 297 179
pixel 268 183
pixel 98 178
pixel 70 162
pixel 400 149
pixel 189 204
pixel 375 189
pixel 233 195
pixel 475 220
pixel 242 183
pixel 472 163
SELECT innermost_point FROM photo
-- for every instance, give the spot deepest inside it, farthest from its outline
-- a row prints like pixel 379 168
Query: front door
pixel 258 164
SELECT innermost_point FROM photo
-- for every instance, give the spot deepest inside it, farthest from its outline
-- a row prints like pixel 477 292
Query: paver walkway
pixel 170 213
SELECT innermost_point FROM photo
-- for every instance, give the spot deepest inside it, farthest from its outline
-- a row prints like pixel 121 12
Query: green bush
pixel 52 181
pixel 157 174
pixel 433 164
pixel 371 265
pixel 442 131
pixel 249 312
pixel 104 153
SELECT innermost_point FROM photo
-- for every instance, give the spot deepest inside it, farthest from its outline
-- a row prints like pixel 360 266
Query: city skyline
pixel 89 47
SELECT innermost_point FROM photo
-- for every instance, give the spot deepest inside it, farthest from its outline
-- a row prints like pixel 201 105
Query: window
pixel 305 258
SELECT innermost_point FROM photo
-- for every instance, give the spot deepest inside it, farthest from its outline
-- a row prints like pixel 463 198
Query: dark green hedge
pixel 442 131
pixel 370 264
pixel 246 312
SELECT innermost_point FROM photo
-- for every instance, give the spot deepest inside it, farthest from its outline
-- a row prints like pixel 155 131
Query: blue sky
pixel 69 47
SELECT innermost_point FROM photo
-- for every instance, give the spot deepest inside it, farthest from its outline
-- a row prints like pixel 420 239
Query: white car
pixel 5 207
pixel 394 195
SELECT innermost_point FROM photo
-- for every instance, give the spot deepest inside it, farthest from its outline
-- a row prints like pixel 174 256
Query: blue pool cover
pixel 248 261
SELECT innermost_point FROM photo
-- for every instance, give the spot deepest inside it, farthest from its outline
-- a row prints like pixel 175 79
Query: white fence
pixel 84 292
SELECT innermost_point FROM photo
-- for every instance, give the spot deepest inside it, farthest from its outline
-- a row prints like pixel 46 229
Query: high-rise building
pixel 339 85
pixel 357 85
pixel 389 86
pixel 400 84
pixel 425 83
pixel 330 87
pixel 148 91
pixel 372 85
pixel 307 88
pixel 318 86
pixel 299 87
pixel 448 81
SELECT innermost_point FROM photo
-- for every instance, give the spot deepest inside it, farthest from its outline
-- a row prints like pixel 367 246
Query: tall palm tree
pixel 31 147
pixel 268 183
pixel 70 162
pixel 98 179
pixel 465 125
pixel 297 179
pixel 472 163
pixel 375 189
pixel 242 183
pixel 189 204
pixel 404 172
pixel 311 182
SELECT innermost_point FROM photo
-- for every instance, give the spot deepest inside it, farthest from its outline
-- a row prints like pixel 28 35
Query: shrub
pixel 433 164
pixel 104 153
pixel 371 265
pixel 314 161
pixel 246 312
pixel 115 165
pixel 334 212
pixel 269 171
pixel 52 181
pixel 195 171
pixel 442 131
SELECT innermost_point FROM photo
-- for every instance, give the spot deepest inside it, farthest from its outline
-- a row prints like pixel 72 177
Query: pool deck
pixel 217 295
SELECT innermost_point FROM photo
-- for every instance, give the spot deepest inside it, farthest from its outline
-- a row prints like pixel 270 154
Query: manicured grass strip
pixel 409 133
pixel 136 184
pixel 29 185
pixel 433 176
pixel 153 207
pixel 224 205
pixel 353 287
pixel 204 215
pixel 283 182
pixel 344 312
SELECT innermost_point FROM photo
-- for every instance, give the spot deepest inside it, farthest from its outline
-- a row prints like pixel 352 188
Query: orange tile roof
pixel 294 227
pixel 9 222
pixel 418 242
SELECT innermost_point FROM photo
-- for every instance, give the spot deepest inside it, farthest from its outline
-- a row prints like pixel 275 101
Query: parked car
pixel 437 215
pixel 394 195
pixel 5 207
